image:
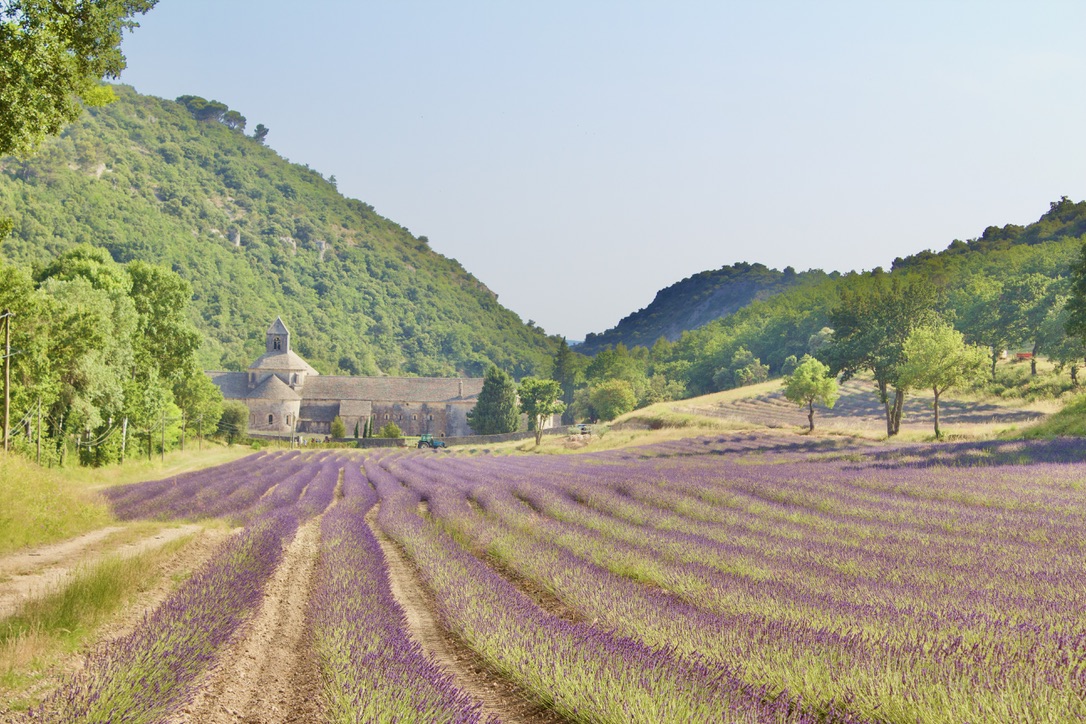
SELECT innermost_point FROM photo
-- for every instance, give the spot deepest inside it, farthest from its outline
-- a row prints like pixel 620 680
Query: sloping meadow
pixel 740 579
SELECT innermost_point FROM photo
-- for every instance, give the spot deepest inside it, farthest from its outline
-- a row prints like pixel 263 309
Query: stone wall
pixel 415 418
pixel 382 442
pixel 282 413
pixel 491 439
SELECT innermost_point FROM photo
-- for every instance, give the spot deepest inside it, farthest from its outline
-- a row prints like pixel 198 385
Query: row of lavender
pixel 143 676
pixel 890 583
pixel 738 579
pixel 585 672
pixel 152 671
pixel 373 671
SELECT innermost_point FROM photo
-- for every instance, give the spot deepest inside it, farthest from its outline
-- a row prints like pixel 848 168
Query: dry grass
pixel 41 506
pixel 65 619
pixel 138 470
pixel 717 412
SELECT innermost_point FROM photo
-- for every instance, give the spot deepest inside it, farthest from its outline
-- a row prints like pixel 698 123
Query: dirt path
pixel 269 675
pixel 38 571
pixel 194 554
pixel 499 697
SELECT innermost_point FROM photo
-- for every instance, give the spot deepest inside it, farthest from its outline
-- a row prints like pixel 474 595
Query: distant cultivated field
pixel 859 409
pixel 738 578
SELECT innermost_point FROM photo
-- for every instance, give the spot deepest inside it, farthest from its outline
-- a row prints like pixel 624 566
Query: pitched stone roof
pixel 282 361
pixel 392 389
pixel 322 410
pixel 277 327
pixel 234 385
pixel 273 388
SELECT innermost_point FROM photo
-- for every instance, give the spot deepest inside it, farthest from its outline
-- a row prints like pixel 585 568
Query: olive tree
pixel 811 382
pixel 937 357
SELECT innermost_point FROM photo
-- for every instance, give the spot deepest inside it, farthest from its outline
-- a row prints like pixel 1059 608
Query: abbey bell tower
pixel 278 340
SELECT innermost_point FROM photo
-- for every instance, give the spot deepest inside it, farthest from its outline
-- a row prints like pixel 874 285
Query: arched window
pixel 431 418
pixel 277 343
pixel 271 419
pixel 414 417
pixel 386 417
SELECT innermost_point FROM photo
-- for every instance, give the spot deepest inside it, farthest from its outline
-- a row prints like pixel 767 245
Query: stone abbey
pixel 284 393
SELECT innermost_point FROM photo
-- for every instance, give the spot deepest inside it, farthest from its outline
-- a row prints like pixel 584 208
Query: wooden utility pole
pixel 39 431
pixel 7 379
pixel 124 437
pixel 163 435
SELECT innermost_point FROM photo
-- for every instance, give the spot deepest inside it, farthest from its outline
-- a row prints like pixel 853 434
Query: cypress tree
pixel 496 411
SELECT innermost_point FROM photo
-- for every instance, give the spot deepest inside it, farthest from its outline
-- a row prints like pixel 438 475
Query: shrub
pixel 390 429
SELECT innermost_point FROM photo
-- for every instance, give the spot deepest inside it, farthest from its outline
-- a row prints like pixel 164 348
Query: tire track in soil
pixel 470 673
pixel 189 559
pixel 37 572
pixel 270 674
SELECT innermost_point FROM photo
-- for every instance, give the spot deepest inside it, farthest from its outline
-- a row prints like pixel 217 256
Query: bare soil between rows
pixel 499 696
pixel 194 554
pixel 270 673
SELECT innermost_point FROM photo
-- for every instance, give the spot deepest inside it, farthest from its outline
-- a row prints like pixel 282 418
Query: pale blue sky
pixel 578 156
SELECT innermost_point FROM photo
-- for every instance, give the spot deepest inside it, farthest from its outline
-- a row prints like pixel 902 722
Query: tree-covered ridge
pixel 1005 290
pixel 1064 219
pixel 697 300
pixel 257 237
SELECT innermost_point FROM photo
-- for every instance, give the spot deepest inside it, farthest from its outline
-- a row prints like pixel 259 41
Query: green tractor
pixel 428 440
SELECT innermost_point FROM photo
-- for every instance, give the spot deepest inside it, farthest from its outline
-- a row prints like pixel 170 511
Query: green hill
pixel 180 184
pixel 1005 289
pixel 695 301
pixel 717 294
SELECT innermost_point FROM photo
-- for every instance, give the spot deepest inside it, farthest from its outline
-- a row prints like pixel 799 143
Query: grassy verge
pixel 62 621
pixel 42 505
pixel 1068 422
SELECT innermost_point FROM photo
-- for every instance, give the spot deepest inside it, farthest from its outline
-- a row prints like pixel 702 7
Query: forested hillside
pixel 1004 290
pixel 695 301
pixel 180 184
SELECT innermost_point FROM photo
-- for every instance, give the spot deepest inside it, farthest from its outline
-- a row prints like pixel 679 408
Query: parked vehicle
pixel 428 440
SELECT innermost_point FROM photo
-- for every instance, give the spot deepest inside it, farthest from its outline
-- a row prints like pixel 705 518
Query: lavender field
pixel 738 579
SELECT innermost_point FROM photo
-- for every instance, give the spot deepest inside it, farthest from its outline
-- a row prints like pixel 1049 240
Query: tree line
pixel 104 359
pixel 933 322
